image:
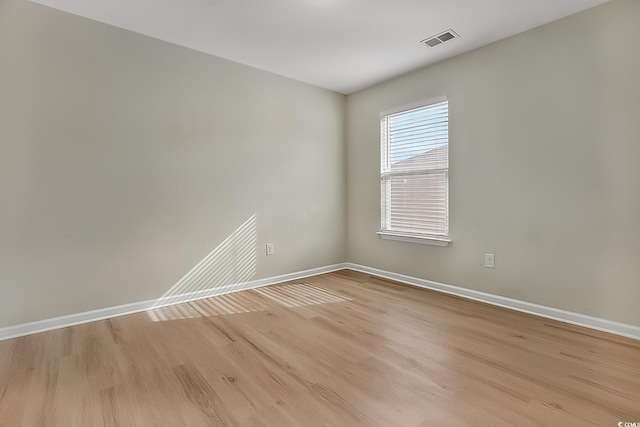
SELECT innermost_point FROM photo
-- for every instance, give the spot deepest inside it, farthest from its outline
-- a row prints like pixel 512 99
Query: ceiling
pixel 341 45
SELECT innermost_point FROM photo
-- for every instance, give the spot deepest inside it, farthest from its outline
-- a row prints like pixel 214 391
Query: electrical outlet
pixel 489 260
pixel 270 249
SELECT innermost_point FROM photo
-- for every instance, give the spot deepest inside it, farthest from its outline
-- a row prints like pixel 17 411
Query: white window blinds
pixel 415 170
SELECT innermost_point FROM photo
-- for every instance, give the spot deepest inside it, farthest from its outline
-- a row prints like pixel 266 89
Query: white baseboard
pixel 596 323
pixel 136 307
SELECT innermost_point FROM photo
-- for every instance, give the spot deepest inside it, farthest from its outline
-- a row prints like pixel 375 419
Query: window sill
pixel 414 238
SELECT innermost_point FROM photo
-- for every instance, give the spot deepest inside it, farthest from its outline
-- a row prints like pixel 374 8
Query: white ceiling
pixel 342 45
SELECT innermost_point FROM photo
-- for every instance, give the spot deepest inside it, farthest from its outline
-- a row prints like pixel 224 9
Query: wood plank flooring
pixel 340 349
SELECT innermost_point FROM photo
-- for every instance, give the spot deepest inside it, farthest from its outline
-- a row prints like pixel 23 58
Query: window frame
pixel 387 233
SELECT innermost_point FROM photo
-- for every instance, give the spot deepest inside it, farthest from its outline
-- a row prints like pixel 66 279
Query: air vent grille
pixel 445 36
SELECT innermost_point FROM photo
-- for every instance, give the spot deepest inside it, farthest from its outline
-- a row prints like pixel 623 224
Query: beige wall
pixel 545 166
pixel 125 160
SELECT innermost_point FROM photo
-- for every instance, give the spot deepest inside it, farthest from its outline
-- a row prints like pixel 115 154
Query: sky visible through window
pixel 417 131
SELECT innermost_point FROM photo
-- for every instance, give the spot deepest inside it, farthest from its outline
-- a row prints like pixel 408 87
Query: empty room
pixel 319 213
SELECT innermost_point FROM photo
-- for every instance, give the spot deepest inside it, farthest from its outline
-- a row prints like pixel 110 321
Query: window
pixel 415 173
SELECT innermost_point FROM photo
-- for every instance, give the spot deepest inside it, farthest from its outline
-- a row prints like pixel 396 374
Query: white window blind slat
pixel 415 170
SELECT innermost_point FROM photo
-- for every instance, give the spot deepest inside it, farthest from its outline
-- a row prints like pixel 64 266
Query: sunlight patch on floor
pixel 300 294
pixel 223 304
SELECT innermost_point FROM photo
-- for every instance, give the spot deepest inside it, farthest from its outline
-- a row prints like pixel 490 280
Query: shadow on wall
pixel 226 269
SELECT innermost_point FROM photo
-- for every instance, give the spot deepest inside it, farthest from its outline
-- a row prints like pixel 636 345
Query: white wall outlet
pixel 270 249
pixel 489 260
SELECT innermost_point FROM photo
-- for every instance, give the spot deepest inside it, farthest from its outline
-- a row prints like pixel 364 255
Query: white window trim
pixel 424 239
pixel 417 104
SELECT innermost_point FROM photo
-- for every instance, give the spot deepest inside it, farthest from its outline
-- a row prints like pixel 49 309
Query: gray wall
pixel 125 160
pixel 544 166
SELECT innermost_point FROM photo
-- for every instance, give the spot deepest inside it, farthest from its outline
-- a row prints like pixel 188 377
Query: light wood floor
pixel 342 349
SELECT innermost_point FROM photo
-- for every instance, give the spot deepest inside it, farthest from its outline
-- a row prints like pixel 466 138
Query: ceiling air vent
pixel 440 38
